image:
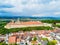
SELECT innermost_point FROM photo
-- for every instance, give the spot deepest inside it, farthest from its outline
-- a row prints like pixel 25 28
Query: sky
pixel 34 8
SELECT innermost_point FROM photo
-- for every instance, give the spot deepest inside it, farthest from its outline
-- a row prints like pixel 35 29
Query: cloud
pixel 6 6
pixel 38 15
pixel 31 7
pixel 16 3
pixel 57 13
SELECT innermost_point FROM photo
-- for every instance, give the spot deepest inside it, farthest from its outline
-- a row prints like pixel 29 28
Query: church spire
pixel 18 20
pixel 12 21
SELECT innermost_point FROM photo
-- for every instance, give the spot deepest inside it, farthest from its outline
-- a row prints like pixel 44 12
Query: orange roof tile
pixel 25 23
pixel 12 39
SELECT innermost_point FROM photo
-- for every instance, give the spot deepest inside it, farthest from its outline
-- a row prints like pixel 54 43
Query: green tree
pixel 35 38
pixel 53 42
pixel 39 44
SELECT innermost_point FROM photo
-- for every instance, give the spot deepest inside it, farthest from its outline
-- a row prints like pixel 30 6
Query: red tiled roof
pixel 12 39
pixel 25 23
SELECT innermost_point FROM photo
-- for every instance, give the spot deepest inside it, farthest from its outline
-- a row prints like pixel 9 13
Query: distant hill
pixel 28 17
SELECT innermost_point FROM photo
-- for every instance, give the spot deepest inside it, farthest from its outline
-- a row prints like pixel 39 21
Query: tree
pixel 53 42
pixel 34 39
pixel 39 44
pixel 26 44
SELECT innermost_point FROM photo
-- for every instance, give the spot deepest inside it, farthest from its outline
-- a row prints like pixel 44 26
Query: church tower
pixel 12 21
pixel 18 21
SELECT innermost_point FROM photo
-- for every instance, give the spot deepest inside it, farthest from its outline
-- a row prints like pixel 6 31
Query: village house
pixel 27 37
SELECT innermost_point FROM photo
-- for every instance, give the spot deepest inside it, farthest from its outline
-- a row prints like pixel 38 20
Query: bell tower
pixel 12 21
pixel 18 21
